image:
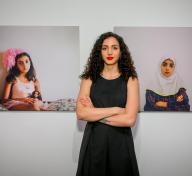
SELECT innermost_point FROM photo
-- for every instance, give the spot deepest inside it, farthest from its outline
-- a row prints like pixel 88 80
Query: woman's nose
pixel 167 68
pixel 25 65
pixel 110 51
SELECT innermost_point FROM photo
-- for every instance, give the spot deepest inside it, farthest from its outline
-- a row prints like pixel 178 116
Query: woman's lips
pixel 109 58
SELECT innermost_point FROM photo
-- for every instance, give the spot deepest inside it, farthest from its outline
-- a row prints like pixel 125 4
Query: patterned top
pixel 172 104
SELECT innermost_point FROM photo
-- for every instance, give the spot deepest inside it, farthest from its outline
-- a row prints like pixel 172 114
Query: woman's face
pixel 167 67
pixel 110 51
pixel 23 64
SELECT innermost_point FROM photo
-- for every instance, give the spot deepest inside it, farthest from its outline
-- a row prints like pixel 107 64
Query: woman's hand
pixel 161 104
pixel 28 100
pixel 179 98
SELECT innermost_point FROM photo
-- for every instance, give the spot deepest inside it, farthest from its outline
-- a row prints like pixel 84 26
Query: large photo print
pixel 39 68
pixel 162 56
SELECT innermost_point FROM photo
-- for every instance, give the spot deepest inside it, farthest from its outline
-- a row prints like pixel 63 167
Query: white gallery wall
pixel 43 144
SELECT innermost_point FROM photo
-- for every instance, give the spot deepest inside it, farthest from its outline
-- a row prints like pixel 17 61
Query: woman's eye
pixel 104 48
pixel 115 47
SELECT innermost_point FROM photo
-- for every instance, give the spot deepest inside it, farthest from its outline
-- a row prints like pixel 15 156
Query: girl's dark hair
pixel 36 94
pixel 14 71
pixel 95 63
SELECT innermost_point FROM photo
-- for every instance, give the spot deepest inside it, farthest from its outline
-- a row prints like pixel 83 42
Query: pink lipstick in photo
pixel 109 58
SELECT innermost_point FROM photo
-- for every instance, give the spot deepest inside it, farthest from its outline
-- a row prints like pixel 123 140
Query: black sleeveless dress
pixel 107 150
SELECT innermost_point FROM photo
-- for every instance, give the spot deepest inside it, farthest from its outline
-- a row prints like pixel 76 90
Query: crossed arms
pixel 114 116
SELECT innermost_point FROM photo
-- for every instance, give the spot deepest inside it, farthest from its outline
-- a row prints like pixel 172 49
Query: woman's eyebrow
pixel 110 45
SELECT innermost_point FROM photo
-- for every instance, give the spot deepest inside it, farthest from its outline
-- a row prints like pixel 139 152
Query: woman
pixel 166 92
pixel 21 82
pixel 108 100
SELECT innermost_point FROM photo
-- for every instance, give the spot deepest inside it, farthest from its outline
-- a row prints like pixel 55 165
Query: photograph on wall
pixel 162 57
pixel 39 68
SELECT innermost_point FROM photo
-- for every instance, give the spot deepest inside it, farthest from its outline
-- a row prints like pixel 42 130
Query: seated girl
pixel 21 82
pixel 166 92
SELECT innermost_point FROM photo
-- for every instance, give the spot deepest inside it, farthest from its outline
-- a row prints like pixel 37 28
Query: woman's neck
pixel 22 78
pixel 110 72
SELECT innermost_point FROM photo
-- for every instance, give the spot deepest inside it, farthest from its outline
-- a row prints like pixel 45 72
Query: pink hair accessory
pixel 9 57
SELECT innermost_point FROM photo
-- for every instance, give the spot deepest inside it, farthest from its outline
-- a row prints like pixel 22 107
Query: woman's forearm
pixel 16 99
pixel 122 120
pixel 24 100
pixel 96 114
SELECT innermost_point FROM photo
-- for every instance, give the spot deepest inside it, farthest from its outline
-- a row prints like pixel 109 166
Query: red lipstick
pixel 109 58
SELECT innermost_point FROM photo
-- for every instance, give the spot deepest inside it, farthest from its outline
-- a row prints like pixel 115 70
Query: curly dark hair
pixel 95 63
pixel 14 71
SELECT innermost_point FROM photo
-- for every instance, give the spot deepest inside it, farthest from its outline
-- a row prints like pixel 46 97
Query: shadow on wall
pixel 3 74
pixel 77 139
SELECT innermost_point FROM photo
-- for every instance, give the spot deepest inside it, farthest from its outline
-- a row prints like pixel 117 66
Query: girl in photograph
pixel 21 83
pixel 108 100
pixel 166 92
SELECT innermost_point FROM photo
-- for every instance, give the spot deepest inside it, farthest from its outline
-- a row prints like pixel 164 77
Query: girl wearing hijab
pixel 167 92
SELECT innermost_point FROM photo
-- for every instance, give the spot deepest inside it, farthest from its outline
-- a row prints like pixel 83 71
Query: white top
pixel 21 89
